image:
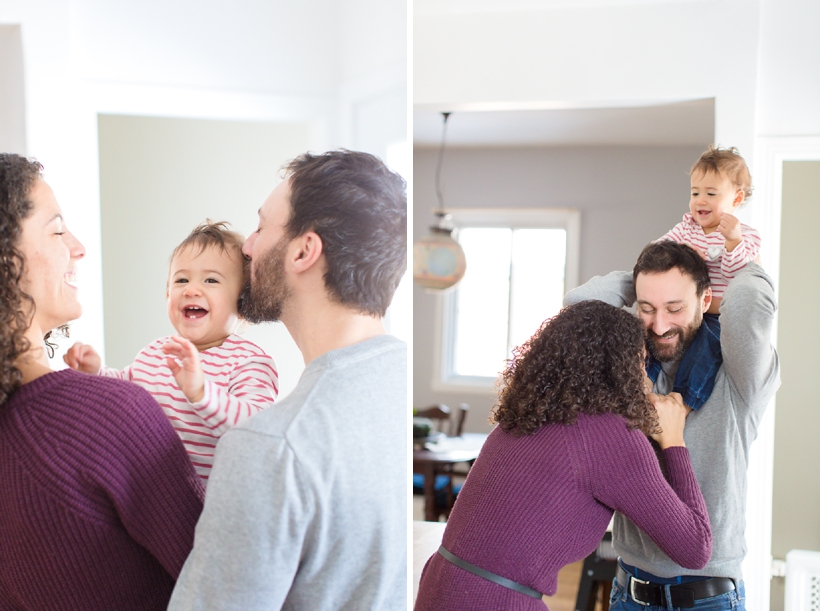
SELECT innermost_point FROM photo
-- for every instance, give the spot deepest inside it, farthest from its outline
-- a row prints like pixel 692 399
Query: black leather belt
pixel 683 595
pixel 502 581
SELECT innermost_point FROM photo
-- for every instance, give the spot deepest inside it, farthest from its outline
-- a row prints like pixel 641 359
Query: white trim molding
pixel 764 213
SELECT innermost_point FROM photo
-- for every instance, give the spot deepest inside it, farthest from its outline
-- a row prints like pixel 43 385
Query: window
pixel 520 263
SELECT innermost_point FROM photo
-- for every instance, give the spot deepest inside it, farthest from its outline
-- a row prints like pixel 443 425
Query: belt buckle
pixel 632 581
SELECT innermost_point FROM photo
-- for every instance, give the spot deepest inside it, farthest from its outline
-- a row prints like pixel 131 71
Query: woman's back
pixel 99 500
pixel 536 503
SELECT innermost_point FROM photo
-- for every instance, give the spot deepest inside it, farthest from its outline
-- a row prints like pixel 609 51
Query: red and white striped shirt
pixel 723 265
pixel 240 381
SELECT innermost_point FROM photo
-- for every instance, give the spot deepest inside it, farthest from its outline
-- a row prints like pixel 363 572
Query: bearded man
pixel 307 503
pixel 727 371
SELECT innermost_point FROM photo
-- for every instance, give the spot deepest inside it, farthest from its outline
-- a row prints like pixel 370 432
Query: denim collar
pixel 698 368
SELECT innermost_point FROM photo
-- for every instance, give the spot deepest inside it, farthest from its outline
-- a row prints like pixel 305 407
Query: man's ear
pixel 707 298
pixel 308 249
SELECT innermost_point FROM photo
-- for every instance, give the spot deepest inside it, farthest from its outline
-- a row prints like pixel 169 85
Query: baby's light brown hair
pixel 219 234
pixel 726 162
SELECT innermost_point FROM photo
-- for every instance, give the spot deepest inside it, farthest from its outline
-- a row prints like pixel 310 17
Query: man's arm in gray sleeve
pixel 616 288
pixel 746 318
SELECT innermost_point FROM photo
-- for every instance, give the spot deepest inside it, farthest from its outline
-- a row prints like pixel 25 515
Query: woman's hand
pixel 186 367
pixel 671 418
pixel 82 357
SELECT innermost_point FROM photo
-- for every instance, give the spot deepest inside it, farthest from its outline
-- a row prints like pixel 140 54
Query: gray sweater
pixel 307 501
pixel 720 433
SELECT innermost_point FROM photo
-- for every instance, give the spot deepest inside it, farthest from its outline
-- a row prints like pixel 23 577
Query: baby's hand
pixel 186 367
pixel 730 228
pixel 82 357
pixel 702 253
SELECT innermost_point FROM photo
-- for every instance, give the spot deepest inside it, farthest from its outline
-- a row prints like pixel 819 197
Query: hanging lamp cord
pixel 440 160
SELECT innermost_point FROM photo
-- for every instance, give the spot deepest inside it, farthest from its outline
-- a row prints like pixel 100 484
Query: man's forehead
pixel 665 287
pixel 277 203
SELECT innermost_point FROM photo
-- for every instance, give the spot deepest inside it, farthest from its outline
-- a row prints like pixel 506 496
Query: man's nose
pixel 660 323
pixel 248 246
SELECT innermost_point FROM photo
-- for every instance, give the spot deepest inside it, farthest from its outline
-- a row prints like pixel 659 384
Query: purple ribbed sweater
pixel 98 499
pixel 534 504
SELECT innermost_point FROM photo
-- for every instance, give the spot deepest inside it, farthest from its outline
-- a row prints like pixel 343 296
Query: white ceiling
pixel 682 123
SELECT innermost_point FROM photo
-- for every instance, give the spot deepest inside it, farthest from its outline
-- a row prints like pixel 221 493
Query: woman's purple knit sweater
pixel 536 503
pixel 98 499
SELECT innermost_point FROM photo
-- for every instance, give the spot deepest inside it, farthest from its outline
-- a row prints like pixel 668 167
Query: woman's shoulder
pixel 607 430
pixel 80 393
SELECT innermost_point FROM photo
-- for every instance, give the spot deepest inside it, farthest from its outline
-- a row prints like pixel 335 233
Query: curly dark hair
pixel 18 176
pixel 588 359
pixel 358 206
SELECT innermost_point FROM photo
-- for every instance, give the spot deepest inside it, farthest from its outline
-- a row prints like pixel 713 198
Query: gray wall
pixel 12 91
pixel 628 196
pixel 796 506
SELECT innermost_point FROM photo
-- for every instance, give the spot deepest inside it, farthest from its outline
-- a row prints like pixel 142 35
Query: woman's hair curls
pixel 18 176
pixel 588 359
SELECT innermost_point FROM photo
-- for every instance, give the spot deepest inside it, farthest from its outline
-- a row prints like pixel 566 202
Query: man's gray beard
pixel 685 339
pixel 265 293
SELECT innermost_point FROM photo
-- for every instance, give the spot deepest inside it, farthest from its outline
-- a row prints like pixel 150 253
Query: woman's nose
pixel 75 247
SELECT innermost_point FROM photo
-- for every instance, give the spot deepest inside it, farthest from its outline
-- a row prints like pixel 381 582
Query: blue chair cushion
pixel 441 482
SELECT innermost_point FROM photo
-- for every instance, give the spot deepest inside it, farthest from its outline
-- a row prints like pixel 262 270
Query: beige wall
pixel 796 507
pixel 159 178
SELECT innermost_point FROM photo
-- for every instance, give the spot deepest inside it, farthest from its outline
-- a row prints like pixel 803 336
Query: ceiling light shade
pixel 438 260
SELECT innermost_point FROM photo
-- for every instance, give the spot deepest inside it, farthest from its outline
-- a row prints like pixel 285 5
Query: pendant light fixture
pixel 438 259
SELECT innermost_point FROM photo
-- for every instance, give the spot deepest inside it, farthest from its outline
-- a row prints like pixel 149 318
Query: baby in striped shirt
pixel 720 183
pixel 206 378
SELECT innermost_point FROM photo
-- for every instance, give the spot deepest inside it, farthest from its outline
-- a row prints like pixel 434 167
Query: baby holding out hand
pixel 721 183
pixel 206 378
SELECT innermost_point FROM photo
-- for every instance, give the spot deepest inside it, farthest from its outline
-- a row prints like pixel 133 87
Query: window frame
pixel 569 219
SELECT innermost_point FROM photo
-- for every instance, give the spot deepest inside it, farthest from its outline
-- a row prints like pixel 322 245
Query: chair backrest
pixel 446 422
pixel 439 414
pixel 460 417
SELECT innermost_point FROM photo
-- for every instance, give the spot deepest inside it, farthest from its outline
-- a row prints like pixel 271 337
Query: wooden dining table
pixel 429 460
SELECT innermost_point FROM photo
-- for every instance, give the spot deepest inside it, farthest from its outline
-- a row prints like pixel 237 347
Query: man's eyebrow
pixel 643 301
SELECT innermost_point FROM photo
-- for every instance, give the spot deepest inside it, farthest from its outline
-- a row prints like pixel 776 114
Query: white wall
pixel 250 60
pixel 788 83
pixel 628 196
pixel 595 55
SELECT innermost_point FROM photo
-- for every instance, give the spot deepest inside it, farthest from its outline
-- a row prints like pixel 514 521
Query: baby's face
pixel 203 289
pixel 712 196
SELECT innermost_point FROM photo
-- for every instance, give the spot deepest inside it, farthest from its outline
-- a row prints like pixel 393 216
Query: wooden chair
pixel 451 425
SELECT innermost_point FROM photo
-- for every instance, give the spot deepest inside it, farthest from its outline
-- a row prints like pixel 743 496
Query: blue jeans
pixel 734 600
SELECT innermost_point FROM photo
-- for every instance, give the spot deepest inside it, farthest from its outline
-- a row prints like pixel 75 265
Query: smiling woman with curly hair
pixel 98 499
pixel 570 449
